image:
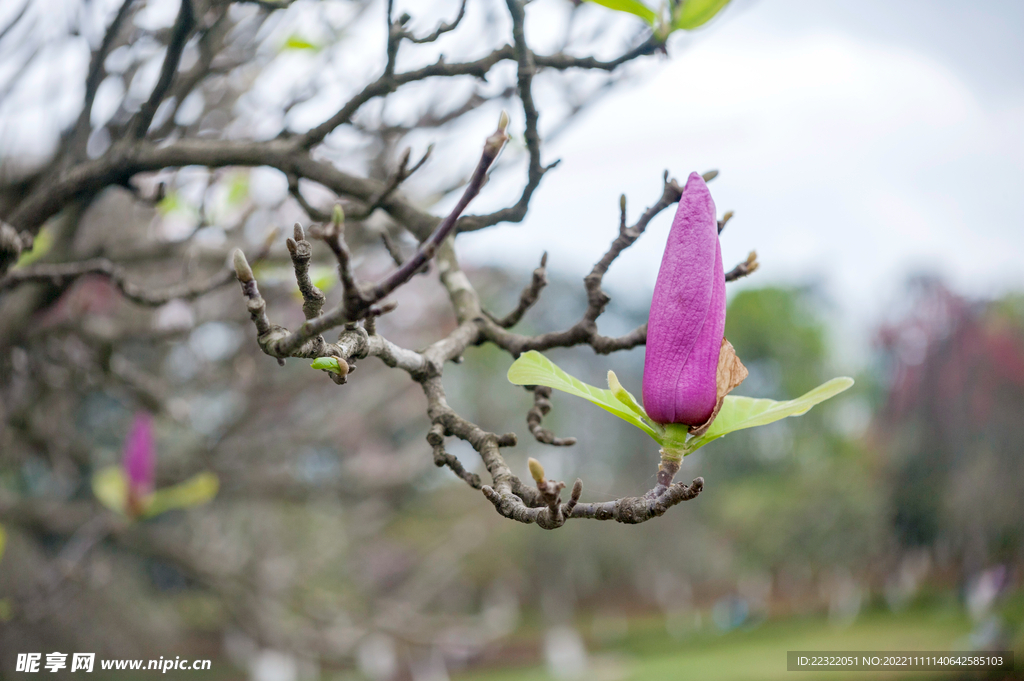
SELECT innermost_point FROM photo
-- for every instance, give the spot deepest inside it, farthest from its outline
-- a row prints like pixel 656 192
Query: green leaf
pixel 297 42
pixel 533 368
pixel 195 491
pixel 238 189
pixel 172 203
pixel 111 489
pixel 624 396
pixel 634 7
pixel 3 540
pixel 323 277
pixel 328 363
pixel 40 245
pixel 694 13
pixel 738 413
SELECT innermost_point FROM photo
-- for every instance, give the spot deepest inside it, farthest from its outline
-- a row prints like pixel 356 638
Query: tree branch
pixel 61 274
pixel 527 298
pixel 534 417
pixel 745 268
pixel 180 32
pixel 358 302
pixel 442 28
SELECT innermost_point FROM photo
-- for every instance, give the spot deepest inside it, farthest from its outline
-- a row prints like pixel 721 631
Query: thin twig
pixel 183 26
pixel 528 297
pixel 534 417
pixel 359 300
pixel 442 28
pixel 745 268
pixel 60 274
pixel 435 438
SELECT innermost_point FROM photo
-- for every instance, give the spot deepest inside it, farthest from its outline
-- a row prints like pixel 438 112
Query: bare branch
pixel 633 510
pixel 442 28
pixel 528 297
pixel 628 510
pixel 314 213
pixel 210 42
pixel 747 267
pixel 562 62
pixel 585 330
pixel 183 26
pixel 427 249
pixel 435 438
pixel 120 164
pixel 333 234
pixel 526 68
pixel 392 248
pixel 401 174
pixel 540 409
pixel 724 221
pixel 301 251
pixel 61 274
pixel 96 73
pixel 358 301
pixel 389 83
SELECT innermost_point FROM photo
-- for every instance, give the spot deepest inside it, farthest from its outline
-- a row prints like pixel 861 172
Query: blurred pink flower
pixel 139 460
pixel 687 320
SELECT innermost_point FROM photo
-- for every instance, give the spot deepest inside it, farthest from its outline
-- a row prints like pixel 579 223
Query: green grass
pixel 759 653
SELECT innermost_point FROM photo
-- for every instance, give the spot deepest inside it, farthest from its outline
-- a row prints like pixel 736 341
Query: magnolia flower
pixel 685 341
pixel 130 489
pixel 690 367
pixel 138 462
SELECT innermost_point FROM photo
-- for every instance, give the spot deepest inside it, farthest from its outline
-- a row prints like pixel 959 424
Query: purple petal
pixel 139 461
pixel 687 321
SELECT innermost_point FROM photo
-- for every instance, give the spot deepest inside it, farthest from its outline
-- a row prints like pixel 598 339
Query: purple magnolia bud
pixel 687 321
pixel 139 460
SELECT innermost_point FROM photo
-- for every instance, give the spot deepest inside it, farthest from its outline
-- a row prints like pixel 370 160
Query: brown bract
pixel 731 373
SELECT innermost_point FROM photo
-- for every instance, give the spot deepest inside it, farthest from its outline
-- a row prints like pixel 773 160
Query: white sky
pixel 857 143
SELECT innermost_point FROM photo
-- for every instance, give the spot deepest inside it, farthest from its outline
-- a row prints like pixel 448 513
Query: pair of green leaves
pixel 737 413
pixel 111 489
pixel 686 15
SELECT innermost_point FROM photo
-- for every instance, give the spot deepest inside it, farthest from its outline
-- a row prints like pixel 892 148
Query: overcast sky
pixel 857 143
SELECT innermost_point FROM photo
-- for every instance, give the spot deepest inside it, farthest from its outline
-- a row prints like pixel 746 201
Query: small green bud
pixel 335 365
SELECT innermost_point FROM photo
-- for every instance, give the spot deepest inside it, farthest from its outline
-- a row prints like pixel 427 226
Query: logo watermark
pixel 85 662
